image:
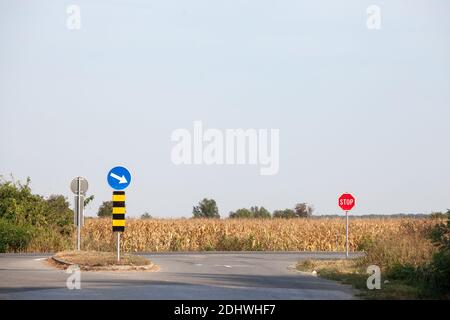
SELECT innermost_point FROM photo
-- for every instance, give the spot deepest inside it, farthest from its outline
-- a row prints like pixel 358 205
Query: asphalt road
pixel 188 276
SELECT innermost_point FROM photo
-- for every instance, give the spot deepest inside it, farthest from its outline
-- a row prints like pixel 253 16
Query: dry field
pixel 161 235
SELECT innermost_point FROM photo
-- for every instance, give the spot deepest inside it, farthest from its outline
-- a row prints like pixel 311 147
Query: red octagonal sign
pixel 346 202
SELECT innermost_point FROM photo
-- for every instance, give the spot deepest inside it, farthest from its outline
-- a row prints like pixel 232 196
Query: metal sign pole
pixel 79 215
pixel 346 234
pixel 118 246
pixel 78 186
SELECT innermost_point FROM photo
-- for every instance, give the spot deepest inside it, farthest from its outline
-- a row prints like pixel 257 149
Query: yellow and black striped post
pixel 118 221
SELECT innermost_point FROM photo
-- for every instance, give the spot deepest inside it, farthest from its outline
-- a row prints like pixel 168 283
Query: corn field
pixel 162 235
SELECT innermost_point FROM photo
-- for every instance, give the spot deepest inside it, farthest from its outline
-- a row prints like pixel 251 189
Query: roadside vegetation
pixel 30 222
pixel 414 263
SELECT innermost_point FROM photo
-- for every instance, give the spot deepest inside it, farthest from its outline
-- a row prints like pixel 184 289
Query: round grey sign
pixel 83 185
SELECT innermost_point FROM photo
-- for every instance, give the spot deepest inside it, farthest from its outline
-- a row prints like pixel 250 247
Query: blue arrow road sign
pixel 119 178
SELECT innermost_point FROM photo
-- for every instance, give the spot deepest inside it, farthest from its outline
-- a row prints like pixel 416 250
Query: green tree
pixel 253 212
pixel 25 216
pixel 286 213
pixel 59 213
pixel 207 208
pixel 146 215
pixel 88 200
pixel 240 213
pixel 105 210
pixel 303 210
pixel 20 206
pixel 260 212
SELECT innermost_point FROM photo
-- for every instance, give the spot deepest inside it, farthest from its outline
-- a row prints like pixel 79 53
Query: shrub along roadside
pixel 13 237
pixel 30 222
pixel 352 272
pixel 435 276
pixel 415 261
pixel 432 277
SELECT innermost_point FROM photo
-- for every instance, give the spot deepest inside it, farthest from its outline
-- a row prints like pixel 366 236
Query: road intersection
pixel 190 276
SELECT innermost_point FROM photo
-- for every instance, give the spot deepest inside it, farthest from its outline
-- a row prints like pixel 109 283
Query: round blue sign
pixel 119 178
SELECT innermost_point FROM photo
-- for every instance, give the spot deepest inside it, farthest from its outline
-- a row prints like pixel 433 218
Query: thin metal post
pixel 79 215
pixel 118 246
pixel 346 234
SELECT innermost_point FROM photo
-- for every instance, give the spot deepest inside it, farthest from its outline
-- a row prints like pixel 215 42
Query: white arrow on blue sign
pixel 119 178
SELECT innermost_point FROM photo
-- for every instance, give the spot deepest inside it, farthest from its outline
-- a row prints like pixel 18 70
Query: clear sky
pixel 361 111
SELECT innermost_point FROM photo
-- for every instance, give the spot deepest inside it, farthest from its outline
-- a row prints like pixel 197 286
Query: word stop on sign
pixel 346 202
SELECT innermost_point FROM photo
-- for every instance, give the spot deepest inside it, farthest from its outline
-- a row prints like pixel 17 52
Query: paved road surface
pixel 181 276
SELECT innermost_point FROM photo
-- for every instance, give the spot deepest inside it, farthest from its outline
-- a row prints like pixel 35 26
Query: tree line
pixel 207 208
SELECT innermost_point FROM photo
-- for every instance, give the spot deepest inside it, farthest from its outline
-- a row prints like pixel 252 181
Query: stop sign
pixel 346 202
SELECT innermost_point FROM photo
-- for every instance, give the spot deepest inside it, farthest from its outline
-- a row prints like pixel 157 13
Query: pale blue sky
pixel 359 111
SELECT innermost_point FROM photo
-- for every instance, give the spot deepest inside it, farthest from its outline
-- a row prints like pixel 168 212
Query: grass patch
pixel 100 259
pixel 353 273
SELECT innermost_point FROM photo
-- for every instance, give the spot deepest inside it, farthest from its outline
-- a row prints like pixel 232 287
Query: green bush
pixel 234 243
pixel 402 272
pixel 13 237
pixel 432 277
pixel 30 221
pixel 436 275
pixel 440 235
